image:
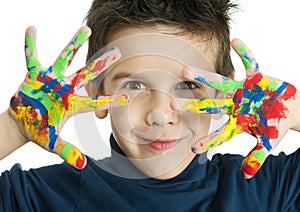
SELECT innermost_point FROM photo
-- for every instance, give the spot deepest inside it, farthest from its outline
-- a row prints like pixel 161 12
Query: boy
pixel 158 138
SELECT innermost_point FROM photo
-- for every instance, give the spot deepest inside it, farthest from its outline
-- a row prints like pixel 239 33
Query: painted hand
pixel 46 98
pixel 259 105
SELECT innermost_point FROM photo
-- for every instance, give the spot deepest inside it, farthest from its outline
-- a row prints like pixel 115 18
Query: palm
pixel 258 106
pixel 46 98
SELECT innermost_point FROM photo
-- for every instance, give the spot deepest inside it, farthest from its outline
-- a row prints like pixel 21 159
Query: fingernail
pixel 198 150
pixel 187 73
pixel 80 162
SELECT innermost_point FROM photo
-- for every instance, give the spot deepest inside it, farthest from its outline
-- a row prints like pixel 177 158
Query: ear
pixel 101 114
pixel 231 76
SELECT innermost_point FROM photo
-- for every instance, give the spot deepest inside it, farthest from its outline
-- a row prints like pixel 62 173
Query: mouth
pixel 161 144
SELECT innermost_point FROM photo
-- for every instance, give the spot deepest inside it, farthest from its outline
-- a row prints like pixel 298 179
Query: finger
pixel 79 104
pixel 204 106
pixel 95 68
pixel 211 79
pixel 70 154
pixel 32 62
pixel 66 56
pixel 254 161
pixel 246 55
pixel 218 137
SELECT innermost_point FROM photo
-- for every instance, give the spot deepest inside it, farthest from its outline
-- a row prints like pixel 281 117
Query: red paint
pixel 249 170
pixel 289 92
pixel 64 98
pixel 78 77
pixel 246 121
pixel 249 82
pixel 80 162
pixel 255 164
pixel 270 132
pixel 271 94
pixel 100 64
pixel 273 109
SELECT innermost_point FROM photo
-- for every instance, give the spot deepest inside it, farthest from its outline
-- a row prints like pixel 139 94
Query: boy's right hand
pixel 46 98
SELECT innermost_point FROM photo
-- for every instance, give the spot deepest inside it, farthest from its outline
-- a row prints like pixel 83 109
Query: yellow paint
pixel 35 85
pixel 252 162
pixel 89 72
pixel 73 156
pixel 55 114
pixel 77 103
pixel 123 100
pixel 31 125
pixel 264 83
pixel 229 131
pixel 200 105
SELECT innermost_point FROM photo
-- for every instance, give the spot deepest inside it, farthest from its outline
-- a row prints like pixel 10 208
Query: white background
pixel 270 28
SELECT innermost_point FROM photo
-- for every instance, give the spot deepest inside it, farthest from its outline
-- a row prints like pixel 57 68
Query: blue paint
pixel 281 88
pixel 266 142
pixel 35 103
pixel 52 136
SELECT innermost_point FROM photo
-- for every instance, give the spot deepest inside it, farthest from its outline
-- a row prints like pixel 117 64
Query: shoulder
pixel 43 188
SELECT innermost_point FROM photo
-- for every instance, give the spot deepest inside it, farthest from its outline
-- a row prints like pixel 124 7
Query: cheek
pixel 198 124
pixel 131 116
pixel 137 109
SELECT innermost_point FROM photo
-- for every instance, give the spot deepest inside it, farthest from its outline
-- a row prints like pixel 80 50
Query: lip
pixel 163 145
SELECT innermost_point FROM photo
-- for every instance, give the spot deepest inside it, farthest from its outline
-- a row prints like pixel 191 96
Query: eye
pixel 186 85
pixel 135 85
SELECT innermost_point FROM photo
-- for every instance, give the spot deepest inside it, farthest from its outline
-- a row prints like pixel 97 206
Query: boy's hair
pixel 206 18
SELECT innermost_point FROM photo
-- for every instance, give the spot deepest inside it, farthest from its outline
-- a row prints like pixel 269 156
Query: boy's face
pixel 151 132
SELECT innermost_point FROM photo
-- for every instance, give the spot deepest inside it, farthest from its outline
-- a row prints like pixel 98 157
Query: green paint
pixel 247 63
pixel 30 43
pixel 70 54
pixel 260 155
pixel 62 62
pixel 54 116
pixel 273 85
pixel 241 49
pixel 59 67
pixel 39 96
pixel 32 65
pixel 226 85
pixel 80 39
pixel 65 151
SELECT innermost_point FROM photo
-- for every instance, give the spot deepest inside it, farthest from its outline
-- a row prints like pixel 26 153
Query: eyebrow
pixel 121 75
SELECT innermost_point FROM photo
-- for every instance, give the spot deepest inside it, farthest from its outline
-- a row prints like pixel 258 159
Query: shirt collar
pixel 195 172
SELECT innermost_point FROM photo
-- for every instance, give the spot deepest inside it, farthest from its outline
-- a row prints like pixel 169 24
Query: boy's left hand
pixel 260 105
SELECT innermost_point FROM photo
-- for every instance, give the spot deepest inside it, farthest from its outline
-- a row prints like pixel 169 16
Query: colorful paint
pixel 255 102
pixel 47 98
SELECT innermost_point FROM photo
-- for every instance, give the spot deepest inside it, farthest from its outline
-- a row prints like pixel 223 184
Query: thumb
pixel 254 160
pixel 70 154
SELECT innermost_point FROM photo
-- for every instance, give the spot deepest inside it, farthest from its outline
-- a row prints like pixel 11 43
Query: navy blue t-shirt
pixel 215 185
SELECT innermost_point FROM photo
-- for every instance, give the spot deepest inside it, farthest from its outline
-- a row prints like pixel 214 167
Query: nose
pixel 160 111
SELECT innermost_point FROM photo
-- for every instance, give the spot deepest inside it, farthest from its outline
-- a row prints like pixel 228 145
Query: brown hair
pixel 209 18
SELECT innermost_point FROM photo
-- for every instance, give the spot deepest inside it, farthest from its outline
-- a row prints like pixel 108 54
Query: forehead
pixel 184 48
pixel 141 64
pixel 171 38
pixel 157 49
